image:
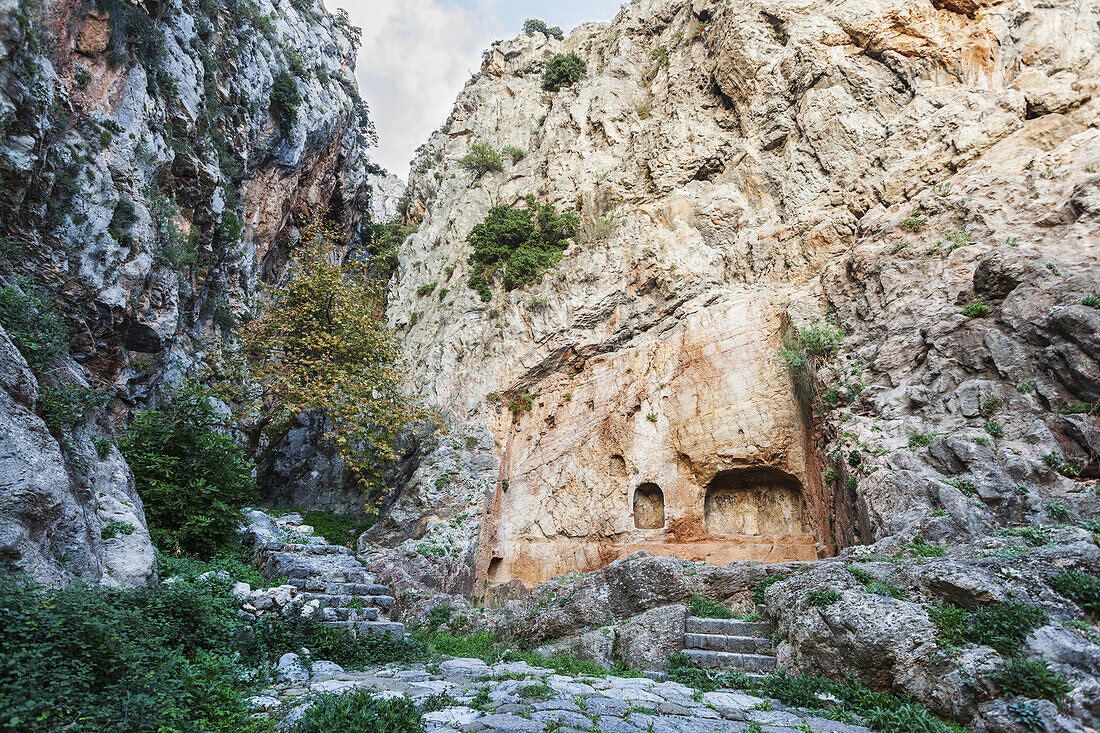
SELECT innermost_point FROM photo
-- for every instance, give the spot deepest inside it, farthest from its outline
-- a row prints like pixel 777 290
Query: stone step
pixel 336 601
pixel 339 588
pixel 350 614
pixel 726 627
pixel 359 628
pixel 730 660
pixel 723 643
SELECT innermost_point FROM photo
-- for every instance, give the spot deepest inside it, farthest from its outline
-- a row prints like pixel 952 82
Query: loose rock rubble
pixel 515 696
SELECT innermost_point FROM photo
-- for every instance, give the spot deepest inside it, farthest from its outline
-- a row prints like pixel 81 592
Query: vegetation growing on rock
pixel 193 478
pixel 521 243
pixel 562 71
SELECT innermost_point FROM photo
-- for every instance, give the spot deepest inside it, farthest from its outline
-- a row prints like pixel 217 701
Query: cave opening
pixel 649 506
pixel 753 501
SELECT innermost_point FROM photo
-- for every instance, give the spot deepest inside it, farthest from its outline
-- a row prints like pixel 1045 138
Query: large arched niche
pixel 649 507
pixel 753 501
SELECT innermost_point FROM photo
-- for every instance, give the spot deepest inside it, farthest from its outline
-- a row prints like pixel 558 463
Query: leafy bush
pixel 1057 511
pixel 861 575
pixel 886 588
pixel 523 242
pixel 513 152
pixel 67 407
pixel 426 289
pixel 236 561
pixel 995 429
pixel 1092 300
pixel 34 324
pixel 1004 626
pixel 976 310
pixel 363 712
pixel 1030 678
pixel 1081 588
pixel 481 159
pixel 192 479
pixel 531 26
pixel 285 96
pixel 950 621
pixel 706 608
pixel 914 223
pixel 921 440
pixel 822 597
pixel 563 70
pixel 116 528
pixel 1076 408
pixel 94 659
pixel 763 585
pixel 802 350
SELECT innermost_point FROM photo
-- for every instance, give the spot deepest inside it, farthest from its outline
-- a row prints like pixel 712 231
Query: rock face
pixel 65 510
pixel 156 162
pixel 743 170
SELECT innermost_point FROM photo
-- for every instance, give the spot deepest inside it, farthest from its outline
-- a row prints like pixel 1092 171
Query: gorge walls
pixel 742 171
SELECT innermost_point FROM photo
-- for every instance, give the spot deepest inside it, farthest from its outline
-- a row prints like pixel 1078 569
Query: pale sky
pixel 417 55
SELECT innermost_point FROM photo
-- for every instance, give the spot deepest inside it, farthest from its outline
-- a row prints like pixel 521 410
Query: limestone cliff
pixel 743 170
pixel 156 160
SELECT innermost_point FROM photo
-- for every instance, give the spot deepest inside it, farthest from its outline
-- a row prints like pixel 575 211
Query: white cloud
pixel 415 57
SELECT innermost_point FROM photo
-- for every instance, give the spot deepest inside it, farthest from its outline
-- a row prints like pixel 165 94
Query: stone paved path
pixel 516 697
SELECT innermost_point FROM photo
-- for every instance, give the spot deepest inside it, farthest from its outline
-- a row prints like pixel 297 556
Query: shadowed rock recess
pixel 799 375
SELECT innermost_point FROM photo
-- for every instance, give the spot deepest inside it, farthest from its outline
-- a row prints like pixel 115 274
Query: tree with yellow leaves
pixel 320 344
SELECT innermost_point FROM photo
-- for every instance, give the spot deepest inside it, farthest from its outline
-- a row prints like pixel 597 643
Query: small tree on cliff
pixel 321 344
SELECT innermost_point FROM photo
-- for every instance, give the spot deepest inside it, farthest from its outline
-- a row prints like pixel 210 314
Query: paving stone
pixel 511 723
pixel 452 716
pixel 605 706
pixel 607 724
pixel 465 669
pixel 563 717
pixel 557 704
pixel 731 699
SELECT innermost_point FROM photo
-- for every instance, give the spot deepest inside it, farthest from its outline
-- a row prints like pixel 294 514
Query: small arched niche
pixel 649 506
pixel 753 501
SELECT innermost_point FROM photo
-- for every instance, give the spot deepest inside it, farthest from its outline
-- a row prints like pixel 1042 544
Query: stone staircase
pixel 351 601
pixel 713 643
pixel 328 578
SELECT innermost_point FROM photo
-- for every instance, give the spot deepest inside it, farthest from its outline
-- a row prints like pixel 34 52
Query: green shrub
pixel 1092 300
pixel 285 96
pixel 192 479
pixel 425 289
pixel 822 597
pixel 802 350
pixel 1057 511
pixel 1030 678
pixel 919 547
pixel 481 159
pixel 361 711
pixel 531 26
pixel 1076 408
pixel 236 561
pixel 763 585
pixel 1028 716
pixel 914 223
pixel 706 608
pixel 1004 626
pixel 67 408
pixel 94 659
pixel 886 588
pixel 563 70
pixel 976 310
pixel 921 440
pixel 34 324
pixel 514 153
pixel 1081 588
pixel 861 575
pixel 995 429
pixel 523 243
pixel 115 528
pixel 966 487
pixel 950 621
pixel 339 529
